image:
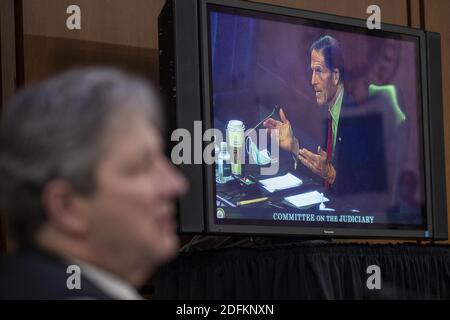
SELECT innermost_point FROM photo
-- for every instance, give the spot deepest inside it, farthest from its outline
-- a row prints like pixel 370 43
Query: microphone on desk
pixel 275 109
pixel 248 140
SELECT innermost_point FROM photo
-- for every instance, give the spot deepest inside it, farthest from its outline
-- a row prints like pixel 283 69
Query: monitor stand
pixel 299 240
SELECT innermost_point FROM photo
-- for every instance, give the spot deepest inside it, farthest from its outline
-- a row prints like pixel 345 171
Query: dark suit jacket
pixel 359 155
pixel 36 274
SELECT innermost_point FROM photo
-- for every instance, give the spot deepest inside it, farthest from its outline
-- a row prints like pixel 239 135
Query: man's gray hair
pixel 54 130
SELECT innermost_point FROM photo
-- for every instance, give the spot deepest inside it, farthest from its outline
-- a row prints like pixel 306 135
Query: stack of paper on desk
pixel 306 199
pixel 280 183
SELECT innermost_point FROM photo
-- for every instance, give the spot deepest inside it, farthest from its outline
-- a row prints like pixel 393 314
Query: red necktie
pixel 329 145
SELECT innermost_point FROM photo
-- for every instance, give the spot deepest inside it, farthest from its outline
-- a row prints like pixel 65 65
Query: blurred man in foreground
pixel 84 183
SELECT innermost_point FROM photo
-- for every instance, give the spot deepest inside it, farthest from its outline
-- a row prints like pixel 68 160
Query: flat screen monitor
pixel 320 125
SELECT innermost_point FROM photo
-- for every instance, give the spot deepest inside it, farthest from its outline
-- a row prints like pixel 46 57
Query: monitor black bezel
pixel 209 185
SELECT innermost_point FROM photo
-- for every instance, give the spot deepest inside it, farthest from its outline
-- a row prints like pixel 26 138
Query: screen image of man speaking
pixel 342 162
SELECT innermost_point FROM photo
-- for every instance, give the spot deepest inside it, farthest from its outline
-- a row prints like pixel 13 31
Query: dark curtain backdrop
pixel 332 271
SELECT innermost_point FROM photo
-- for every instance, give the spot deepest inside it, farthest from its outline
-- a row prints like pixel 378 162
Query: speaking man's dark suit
pixel 359 152
pixel 36 274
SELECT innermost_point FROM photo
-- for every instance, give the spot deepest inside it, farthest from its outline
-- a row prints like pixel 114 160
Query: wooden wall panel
pixel 7 75
pixel 113 32
pixel 58 54
pixel 130 23
pixel 415 15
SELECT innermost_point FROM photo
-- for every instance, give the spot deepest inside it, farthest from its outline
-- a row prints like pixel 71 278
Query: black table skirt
pixel 301 271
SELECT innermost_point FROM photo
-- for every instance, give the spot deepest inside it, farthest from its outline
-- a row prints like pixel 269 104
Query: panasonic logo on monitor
pixel 328 231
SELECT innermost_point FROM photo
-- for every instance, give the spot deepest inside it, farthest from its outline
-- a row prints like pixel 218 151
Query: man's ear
pixel 63 208
pixel 336 76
